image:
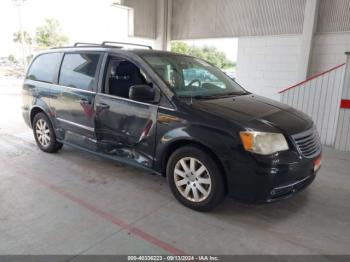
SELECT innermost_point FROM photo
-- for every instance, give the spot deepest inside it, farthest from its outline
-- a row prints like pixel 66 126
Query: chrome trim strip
pixel 134 101
pixel 167 108
pixel 126 99
pixel 76 89
pixel 76 124
pixel 69 87
pixel 308 132
pixel 292 184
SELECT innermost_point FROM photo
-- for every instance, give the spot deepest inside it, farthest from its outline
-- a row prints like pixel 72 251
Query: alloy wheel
pixel 42 132
pixel 192 179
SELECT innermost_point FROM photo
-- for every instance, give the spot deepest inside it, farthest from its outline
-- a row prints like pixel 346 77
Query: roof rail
pixel 107 43
pixel 110 44
pixel 85 44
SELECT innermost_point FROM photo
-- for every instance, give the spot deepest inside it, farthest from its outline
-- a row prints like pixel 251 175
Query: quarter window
pixel 79 71
pixel 45 67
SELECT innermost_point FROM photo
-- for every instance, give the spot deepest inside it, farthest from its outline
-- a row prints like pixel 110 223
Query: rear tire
pixel 195 178
pixel 44 134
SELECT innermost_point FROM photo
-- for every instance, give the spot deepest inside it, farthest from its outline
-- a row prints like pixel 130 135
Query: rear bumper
pixel 26 116
pixel 260 180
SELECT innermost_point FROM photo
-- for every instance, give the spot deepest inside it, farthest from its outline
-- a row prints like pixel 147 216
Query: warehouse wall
pixel 269 31
pixel 268 64
pixel 328 51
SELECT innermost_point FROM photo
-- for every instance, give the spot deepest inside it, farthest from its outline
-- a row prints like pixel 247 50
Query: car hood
pixel 256 112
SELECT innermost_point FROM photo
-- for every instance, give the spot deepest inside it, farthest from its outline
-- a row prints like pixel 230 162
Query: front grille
pixel 308 143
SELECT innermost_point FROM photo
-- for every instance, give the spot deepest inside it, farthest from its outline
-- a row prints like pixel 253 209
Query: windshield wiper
pixel 219 95
pixel 200 97
pixel 234 94
pixel 214 96
pixel 206 97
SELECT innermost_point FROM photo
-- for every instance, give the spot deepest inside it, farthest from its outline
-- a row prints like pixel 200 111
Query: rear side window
pixel 44 68
pixel 79 71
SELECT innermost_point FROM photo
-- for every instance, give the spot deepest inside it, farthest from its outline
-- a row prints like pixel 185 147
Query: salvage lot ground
pixel 75 203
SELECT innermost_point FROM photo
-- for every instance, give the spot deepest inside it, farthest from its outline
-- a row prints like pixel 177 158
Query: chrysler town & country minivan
pixel 172 115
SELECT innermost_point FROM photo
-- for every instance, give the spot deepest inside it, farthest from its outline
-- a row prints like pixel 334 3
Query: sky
pixel 81 21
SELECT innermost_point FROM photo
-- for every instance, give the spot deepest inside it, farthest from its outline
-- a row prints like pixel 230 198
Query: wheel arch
pixel 34 111
pixel 39 109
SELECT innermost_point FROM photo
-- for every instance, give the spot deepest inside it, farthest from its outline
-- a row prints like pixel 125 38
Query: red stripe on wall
pixel 345 103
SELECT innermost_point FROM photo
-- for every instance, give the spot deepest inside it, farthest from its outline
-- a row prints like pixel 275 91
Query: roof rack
pixel 110 44
pixel 107 43
pixel 85 44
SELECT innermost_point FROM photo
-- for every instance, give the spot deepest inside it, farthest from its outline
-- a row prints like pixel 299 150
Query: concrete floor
pixel 75 203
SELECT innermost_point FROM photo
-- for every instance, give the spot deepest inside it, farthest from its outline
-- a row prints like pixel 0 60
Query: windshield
pixel 192 77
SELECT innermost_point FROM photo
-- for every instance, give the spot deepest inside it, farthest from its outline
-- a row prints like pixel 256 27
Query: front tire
pixel 44 134
pixel 195 178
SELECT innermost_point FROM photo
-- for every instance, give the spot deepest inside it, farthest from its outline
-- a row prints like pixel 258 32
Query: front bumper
pixel 258 179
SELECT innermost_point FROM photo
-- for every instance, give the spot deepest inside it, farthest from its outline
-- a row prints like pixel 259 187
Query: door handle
pixel 84 101
pixel 103 106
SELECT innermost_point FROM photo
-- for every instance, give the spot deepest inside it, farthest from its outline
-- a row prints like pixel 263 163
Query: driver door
pixel 125 129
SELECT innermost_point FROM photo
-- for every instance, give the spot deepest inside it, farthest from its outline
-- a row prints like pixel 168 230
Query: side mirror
pixel 142 93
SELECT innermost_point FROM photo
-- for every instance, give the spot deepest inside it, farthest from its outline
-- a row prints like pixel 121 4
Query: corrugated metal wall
pixel 334 16
pixel 193 19
pixel 343 129
pixel 320 99
pixel 343 132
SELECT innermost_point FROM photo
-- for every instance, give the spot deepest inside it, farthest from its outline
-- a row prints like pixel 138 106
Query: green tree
pixel 209 54
pixel 26 38
pixel 12 58
pixel 180 47
pixel 50 34
pixel 29 58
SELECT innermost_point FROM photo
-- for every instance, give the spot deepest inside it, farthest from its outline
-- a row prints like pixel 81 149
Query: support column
pixel 163 32
pixel 309 29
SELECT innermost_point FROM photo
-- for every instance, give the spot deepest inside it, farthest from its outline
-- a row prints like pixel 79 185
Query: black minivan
pixel 173 115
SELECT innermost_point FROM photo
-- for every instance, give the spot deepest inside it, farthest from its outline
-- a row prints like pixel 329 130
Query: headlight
pixel 263 143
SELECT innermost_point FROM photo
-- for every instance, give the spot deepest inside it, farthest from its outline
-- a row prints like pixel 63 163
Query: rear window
pixel 79 71
pixel 44 67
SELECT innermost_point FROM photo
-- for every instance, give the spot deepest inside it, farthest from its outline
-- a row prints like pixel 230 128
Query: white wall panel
pixel 343 134
pixel 267 64
pixel 328 51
